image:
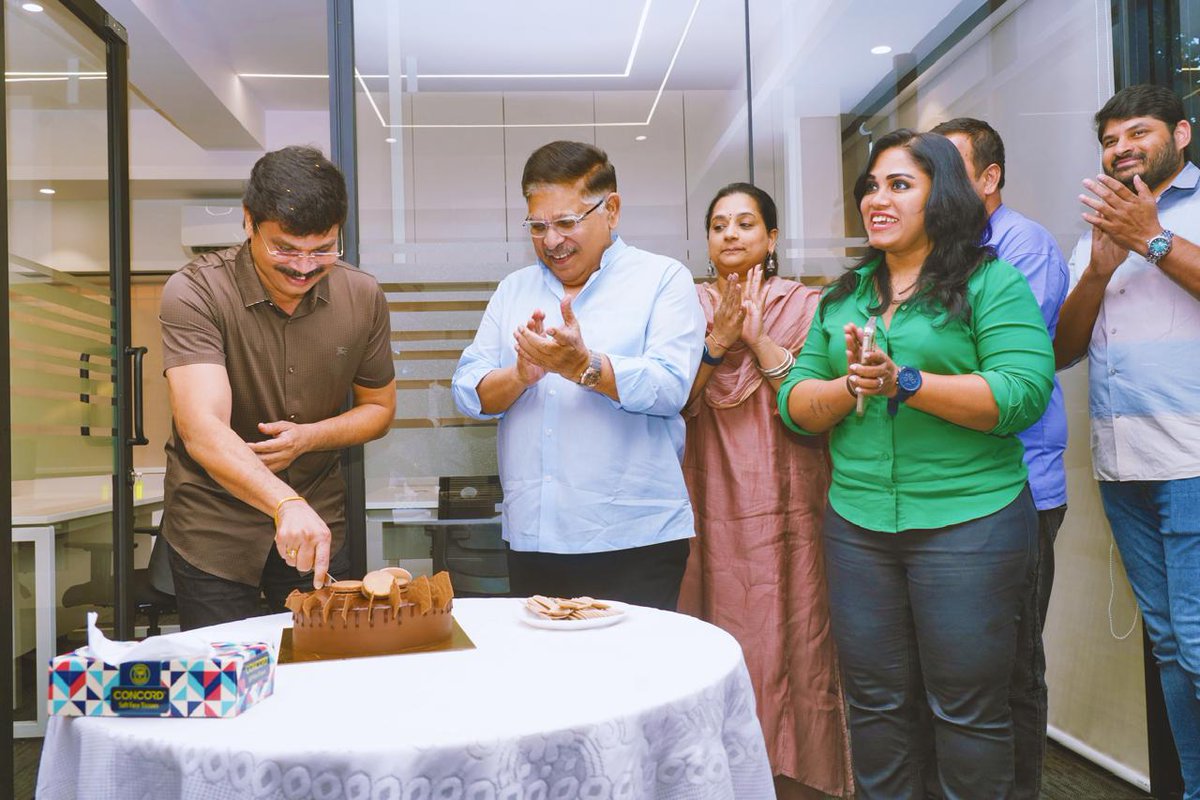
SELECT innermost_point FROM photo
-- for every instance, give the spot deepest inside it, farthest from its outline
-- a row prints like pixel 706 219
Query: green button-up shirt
pixel 917 471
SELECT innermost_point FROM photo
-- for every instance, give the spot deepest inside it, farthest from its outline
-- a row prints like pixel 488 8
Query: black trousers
pixel 206 599
pixel 644 576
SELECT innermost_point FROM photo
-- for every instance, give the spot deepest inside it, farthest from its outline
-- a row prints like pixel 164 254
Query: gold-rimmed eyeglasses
pixel 564 226
pixel 320 256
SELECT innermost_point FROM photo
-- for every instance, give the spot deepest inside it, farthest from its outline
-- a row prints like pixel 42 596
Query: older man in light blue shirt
pixel 586 358
pixel 1135 311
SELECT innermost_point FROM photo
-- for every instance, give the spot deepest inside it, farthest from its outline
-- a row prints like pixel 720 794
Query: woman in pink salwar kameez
pixel 757 567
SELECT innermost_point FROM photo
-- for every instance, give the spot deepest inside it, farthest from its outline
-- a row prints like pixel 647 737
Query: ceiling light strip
pixel 637 40
pixel 46 80
pixel 378 114
pixel 653 107
pixel 52 74
pixel 662 87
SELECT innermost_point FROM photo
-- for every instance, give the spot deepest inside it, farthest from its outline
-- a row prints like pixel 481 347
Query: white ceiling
pixel 186 56
pixel 827 43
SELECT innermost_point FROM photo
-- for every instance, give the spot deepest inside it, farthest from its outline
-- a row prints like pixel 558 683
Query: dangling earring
pixel 771 265
pixel 712 270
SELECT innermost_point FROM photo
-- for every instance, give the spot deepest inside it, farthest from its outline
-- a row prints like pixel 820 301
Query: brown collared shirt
pixel 299 368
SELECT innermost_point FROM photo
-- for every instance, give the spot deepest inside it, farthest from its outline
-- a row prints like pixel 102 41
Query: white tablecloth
pixel 657 706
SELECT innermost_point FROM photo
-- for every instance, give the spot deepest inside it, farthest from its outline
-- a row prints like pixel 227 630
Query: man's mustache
pixel 295 273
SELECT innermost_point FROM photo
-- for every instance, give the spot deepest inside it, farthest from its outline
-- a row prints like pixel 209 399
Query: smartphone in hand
pixel 866 346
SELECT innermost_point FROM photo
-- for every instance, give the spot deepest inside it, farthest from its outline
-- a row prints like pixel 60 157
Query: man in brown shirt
pixel 261 344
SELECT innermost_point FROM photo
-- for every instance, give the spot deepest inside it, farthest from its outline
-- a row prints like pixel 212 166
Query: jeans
pixel 1156 525
pixel 206 599
pixel 930 617
pixel 1027 693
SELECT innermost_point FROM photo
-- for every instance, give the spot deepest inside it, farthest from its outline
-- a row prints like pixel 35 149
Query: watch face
pixel 909 379
pixel 1158 246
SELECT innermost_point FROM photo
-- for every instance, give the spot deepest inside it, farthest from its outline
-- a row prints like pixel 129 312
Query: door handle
pixel 139 433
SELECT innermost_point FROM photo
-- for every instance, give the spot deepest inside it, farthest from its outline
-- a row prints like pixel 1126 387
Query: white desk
pixel 51 501
pixel 415 503
pixel 657 706
pixel 41 508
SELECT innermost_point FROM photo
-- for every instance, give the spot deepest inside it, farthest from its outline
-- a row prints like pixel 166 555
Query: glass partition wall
pixel 451 101
pixel 68 375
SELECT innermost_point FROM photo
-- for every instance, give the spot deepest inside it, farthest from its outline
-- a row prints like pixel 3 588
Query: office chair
pixel 153 589
pixel 466 542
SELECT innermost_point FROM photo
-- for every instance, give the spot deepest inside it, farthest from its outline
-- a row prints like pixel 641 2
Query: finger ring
pixel 880 381
pixel 291 553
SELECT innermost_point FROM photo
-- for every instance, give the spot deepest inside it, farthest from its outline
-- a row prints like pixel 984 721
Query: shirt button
pixel 292 417
pixel 549 431
pixel 1112 372
pixel 1114 330
pixel 291 370
pixel 1122 291
pixel 553 392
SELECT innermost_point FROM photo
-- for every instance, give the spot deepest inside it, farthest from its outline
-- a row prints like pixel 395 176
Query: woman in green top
pixel 931 530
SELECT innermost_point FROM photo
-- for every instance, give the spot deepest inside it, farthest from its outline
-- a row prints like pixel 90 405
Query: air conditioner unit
pixel 212 226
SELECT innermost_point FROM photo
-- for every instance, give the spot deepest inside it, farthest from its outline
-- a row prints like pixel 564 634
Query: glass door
pixel 69 374
pixel 443 131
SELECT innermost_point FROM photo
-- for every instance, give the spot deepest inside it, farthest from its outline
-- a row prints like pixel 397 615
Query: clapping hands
pixel 560 350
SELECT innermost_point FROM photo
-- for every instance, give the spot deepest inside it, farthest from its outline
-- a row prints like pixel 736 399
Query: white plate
pixel 530 618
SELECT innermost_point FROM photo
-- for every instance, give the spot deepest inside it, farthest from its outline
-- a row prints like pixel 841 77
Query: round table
pixel 656 706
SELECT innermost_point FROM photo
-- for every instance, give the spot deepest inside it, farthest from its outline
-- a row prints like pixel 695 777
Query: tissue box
pixel 237 676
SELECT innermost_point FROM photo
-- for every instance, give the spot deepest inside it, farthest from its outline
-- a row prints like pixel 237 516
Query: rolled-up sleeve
pixel 482 356
pixel 811 364
pixel 657 382
pixel 1016 357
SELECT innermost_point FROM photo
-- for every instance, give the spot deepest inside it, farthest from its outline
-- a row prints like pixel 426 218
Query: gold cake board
pixel 458 641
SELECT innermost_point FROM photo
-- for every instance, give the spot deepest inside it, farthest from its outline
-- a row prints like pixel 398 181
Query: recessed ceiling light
pixel 390 140
pixel 880 50
pixel 641 138
pixel 46 190
pixel 32 7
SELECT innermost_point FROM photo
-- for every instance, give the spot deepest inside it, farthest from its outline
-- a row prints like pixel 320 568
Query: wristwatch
pixel 1158 247
pixel 591 376
pixel 908 383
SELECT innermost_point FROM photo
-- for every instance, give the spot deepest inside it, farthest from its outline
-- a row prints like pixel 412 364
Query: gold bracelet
pixel 279 505
pixel 717 342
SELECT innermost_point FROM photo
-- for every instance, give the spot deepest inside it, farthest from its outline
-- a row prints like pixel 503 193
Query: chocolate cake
pixel 388 611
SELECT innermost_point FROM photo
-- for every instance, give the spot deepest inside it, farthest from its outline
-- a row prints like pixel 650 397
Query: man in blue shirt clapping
pixel 586 358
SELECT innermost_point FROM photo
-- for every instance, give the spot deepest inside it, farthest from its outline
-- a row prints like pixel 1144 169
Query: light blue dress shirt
pixel 1143 373
pixel 581 472
pixel 1032 250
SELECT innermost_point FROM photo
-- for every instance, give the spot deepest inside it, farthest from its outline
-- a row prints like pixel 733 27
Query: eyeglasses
pixel 565 226
pixel 320 256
